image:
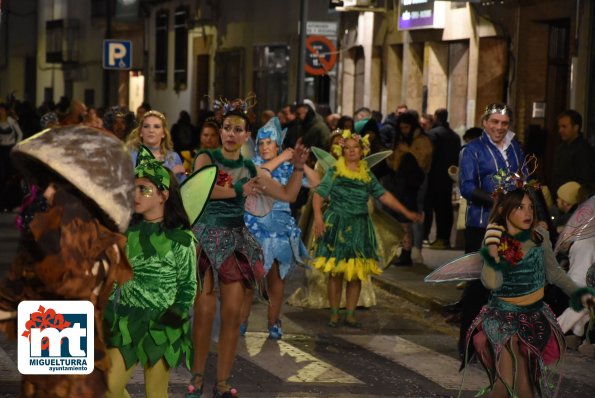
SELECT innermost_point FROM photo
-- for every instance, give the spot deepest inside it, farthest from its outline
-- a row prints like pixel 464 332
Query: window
pixel 181 48
pixel 161 27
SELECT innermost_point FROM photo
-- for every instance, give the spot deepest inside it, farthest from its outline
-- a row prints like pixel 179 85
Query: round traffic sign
pixel 321 55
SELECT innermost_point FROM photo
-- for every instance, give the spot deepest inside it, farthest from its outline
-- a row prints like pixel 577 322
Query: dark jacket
pixel 447 145
pixel 573 161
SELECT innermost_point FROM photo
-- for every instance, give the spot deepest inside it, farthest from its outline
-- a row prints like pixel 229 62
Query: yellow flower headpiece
pixel 348 134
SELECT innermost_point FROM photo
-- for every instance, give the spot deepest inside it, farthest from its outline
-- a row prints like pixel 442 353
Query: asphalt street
pixel 403 350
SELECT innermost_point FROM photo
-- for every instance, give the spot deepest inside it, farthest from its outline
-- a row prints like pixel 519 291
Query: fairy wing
pixel 465 268
pixel 248 149
pixel 376 158
pixel 196 190
pixel 259 205
pixel 581 225
pixel 325 159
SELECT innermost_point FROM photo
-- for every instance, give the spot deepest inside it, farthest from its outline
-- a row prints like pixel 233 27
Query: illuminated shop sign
pixel 421 14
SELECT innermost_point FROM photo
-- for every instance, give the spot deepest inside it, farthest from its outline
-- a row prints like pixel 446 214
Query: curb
pixel 425 301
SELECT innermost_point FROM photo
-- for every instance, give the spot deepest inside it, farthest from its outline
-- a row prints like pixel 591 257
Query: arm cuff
pixel 489 260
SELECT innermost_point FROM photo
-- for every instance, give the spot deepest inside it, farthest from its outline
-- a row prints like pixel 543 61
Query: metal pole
pixel 106 73
pixel 301 75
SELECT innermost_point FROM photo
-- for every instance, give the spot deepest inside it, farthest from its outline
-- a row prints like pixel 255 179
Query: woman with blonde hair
pixel 152 131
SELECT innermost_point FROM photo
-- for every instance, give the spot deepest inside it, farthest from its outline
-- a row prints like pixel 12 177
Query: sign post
pixel 321 55
pixel 117 54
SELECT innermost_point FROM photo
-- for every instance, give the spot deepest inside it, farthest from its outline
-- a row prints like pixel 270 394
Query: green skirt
pixel 141 338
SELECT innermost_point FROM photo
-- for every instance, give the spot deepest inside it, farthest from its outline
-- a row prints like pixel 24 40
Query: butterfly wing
pixel 325 159
pixel 465 268
pixel 376 158
pixel 581 225
pixel 196 190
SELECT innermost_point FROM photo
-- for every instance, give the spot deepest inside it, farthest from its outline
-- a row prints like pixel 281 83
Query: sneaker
pixel 243 328
pixel 425 243
pixel 440 244
pixel 275 331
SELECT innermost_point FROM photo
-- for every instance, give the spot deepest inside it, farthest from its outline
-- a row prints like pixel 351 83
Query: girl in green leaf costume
pixel 146 321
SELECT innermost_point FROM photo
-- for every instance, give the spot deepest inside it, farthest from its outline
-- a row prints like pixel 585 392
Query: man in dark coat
pixel 447 145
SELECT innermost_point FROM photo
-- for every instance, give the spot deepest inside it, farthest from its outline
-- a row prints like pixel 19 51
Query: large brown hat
pixel 95 162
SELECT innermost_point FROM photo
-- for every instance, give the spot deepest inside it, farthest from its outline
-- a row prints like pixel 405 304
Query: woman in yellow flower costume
pixel 346 246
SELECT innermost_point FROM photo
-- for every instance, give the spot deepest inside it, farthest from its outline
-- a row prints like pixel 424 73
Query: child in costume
pixel 229 257
pixel 71 247
pixel 517 333
pixel 147 321
pixel 347 243
pixel 277 231
pixel 152 132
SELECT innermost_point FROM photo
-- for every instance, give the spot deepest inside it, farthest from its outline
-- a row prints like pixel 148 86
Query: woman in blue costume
pixel 229 257
pixel 277 231
pixel 346 246
pixel 146 321
pixel 152 132
pixel 516 335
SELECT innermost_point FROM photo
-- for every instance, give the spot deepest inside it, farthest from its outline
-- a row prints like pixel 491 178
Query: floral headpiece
pixel 149 167
pixel 497 108
pixel 509 181
pixel 237 106
pixel 346 135
pixel 272 129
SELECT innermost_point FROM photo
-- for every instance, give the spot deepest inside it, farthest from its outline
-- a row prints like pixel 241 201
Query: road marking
pixel 289 363
pixel 439 368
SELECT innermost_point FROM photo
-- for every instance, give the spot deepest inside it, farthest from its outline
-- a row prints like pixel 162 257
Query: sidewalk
pixel 408 282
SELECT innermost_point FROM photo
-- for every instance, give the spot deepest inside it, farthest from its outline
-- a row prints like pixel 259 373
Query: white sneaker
pixel 416 256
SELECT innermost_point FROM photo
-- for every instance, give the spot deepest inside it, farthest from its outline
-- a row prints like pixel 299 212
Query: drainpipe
pixel 301 75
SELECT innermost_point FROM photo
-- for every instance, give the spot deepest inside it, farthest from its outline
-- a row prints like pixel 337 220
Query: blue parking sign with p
pixel 117 54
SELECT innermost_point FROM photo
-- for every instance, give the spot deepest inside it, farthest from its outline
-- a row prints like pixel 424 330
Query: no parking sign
pixel 321 55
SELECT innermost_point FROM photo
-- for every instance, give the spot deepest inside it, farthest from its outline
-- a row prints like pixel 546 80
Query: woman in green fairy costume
pixel 146 321
pixel 229 257
pixel 346 248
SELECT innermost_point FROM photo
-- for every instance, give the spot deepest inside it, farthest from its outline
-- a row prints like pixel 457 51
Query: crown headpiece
pixel 348 134
pixel 507 181
pixel 238 106
pixel 497 108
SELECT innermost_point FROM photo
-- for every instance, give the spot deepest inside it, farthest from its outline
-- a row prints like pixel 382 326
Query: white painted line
pixel 289 363
pixel 439 368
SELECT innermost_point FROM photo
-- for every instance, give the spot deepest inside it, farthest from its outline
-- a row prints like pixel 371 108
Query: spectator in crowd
pixel 266 115
pixel 92 119
pixel 209 139
pixel 388 131
pixel 574 159
pixel 410 161
pixel 567 199
pixel 10 134
pixel 426 121
pixel 345 123
pixel 362 113
pixel 447 145
pixel 120 121
pixel 292 124
pixel 183 133
pixel 49 120
pixel 332 120
pixel 314 132
pixel 141 110
pixel 75 114
pixel 401 109
pixel 376 115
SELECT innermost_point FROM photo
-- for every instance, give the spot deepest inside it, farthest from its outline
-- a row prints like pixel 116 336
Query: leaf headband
pixel 510 181
pixel 152 169
pixel 237 106
pixel 346 135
